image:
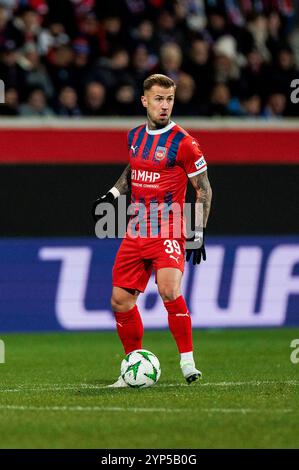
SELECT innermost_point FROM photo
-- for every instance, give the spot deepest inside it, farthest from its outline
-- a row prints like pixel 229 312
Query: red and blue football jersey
pixel 161 161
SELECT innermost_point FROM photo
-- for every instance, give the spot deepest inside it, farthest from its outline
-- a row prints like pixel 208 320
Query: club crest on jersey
pixel 160 153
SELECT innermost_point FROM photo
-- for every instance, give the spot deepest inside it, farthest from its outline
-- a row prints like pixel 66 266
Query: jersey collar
pixel 160 131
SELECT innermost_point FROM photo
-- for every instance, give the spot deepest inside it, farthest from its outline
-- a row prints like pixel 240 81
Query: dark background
pixel 56 200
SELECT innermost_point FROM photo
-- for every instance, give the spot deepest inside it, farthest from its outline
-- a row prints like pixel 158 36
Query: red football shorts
pixel 137 257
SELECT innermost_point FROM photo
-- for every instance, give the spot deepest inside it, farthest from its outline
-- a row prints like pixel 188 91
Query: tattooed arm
pixel 123 183
pixel 203 191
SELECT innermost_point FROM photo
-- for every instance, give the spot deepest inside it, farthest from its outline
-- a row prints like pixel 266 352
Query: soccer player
pixel 162 157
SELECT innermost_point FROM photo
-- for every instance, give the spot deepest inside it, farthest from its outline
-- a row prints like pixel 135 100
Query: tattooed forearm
pixel 204 195
pixel 203 190
pixel 123 184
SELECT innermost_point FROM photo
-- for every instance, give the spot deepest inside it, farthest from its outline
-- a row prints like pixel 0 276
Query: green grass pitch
pixel 52 393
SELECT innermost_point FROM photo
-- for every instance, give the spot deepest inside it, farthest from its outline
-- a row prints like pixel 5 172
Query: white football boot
pixel 190 372
pixel 120 383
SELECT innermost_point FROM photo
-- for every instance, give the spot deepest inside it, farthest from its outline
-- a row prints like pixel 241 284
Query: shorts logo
pixel 160 153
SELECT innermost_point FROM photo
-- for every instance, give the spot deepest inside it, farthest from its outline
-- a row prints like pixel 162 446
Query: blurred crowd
pixel 75 58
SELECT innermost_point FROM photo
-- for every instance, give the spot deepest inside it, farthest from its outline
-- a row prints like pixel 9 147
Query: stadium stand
pixel 77 58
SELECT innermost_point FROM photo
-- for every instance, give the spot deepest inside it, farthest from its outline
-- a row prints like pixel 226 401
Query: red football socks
pixel 130 329
pixel 180 323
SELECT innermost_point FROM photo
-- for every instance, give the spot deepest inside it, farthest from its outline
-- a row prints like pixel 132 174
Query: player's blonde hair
pixel 158 79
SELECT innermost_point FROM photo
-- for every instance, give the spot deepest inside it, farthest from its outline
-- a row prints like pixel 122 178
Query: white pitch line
pixel 59 387
pixel 140 410
pixel 256 383
pixel 244 410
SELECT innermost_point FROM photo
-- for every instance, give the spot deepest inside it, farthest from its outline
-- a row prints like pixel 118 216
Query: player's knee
pixel 116 304
pixel 120 305
pixel 169 293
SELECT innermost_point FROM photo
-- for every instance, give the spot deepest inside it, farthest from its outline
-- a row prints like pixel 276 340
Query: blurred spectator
pixel 219 101
pixel 63 11
pixel 8 32
pixel 113 70
pixel 141 66
pixel 60 66
pixel 248 105
pixel 217 25
pixel 36 105
pixel 276 106
pixel 250 47
pixel 68 103
pixel 89 29
pixel 234 13
pixel 284 71
pixel 144 36
pixel 258 26
pixel 132 11
pixel 185 104
pixel 111 35
pixel 28 23
pixel 275 34
pixel 52 37
pixel 227 63
pixel 10 71
pixel 95 100
pixel 168 30
pixel 125 101
pixel 41 6
pixel 198 59
pixel 251 106
pixel 81 63
pixel 294 43
pixel 10 107
pixel 255 76
pixel 193 12
pixel 171 59
pixel 36 73
pixel 82 7
pixel 198 64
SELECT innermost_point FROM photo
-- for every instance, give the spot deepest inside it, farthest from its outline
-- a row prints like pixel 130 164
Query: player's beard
pixel 158 123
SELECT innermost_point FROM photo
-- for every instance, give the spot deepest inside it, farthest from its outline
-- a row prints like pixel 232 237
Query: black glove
pixel 199 250
pixel 108 197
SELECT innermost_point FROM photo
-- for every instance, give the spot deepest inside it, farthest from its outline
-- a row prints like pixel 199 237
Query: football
pixel 140 369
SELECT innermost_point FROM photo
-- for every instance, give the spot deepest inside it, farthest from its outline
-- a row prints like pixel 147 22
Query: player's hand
pixel 198 252
pixel 108 197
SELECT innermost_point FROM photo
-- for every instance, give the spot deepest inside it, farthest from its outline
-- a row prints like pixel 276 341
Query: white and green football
pixel 140 369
